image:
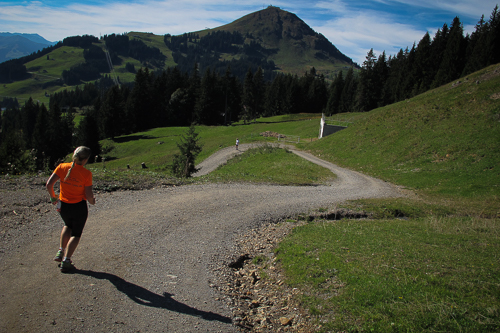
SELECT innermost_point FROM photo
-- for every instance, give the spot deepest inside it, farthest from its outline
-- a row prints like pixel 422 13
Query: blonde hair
pixel 80 154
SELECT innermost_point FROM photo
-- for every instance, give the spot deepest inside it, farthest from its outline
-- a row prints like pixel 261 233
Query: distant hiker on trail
pixel 75 190
pixel 237 143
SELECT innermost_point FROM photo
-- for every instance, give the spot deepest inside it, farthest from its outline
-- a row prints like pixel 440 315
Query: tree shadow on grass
pixel 145 297
pixel 128 138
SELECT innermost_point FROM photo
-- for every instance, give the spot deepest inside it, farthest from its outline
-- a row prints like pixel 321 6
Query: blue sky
pixel 353 26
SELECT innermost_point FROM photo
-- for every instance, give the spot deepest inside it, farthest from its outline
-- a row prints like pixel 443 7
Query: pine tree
pixel 40 142
pixel 365 96
pixel 453 62
pixel 380 76
pixel 293 95
pixel 112 114
pixel 87 134
pixel 58 135
pixel 232 100
pixel 317 95
pixel 347 97
pixel 183 165
pixel 160 106
pixel 68 129
pixel 476 54
pixel 208 108
pixel 191 95
pixel 493 40
pixel 13 158
pixel 406 86
pixel 422 73
pixel 334 95
pixel 248 98
pixel 277 96
pixel 259 92
pixel 29 114
pixel 140 104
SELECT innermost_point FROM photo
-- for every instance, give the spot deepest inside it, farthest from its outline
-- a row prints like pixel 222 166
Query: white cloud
pixel 465 8
pixel 159 17
pixel 355 33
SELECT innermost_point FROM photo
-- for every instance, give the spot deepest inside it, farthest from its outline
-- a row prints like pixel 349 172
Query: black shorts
pixel 75 216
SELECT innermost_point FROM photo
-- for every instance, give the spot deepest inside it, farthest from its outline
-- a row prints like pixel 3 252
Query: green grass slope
pixel 156 147
pixel 45 69
pixel 49 68
pixel 444 142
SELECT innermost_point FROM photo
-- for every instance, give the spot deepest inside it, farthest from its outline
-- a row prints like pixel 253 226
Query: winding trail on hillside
pixel 146 260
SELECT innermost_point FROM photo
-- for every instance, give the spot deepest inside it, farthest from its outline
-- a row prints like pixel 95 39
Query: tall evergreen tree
pixel 248 98
pixel 347 99
pixel 183 165
pixel 259 92
pixel 112 114
pixel 317 95
pixel 453 61
pixel 68 130
pixel 40 142
pixel 87 134
pixel 191 95
pixel 276 98
pixel 493 40
pixel 58 135
pixel 292 102
pixel 422 73
pixel 380 75
pixel 365 96
pixel 140 104
pixel 232 100
pixel 407 83
pixel 13 157
pixel 11 120
pixel 208 109
pixel 334 94
pixel 29 115
pixel 159 90
pixel 476 53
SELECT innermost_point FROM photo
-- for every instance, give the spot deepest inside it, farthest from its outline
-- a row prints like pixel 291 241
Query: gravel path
pixel 146 260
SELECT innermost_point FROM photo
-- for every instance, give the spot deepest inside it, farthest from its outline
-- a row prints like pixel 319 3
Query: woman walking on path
pixel 75 191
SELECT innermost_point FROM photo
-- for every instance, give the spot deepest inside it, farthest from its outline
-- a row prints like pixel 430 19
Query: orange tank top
pixel 72 190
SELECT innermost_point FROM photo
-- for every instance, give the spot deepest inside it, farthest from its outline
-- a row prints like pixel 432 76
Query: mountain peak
pixel 295 41
pixel 275 22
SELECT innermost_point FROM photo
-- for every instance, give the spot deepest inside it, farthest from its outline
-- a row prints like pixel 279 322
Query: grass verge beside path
pixel 270 164
pixel 429 272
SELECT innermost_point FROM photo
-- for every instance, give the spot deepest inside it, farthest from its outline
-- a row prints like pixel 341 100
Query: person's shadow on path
pixel 145 297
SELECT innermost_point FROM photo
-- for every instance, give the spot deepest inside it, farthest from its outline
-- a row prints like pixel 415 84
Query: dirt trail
pixel 146 259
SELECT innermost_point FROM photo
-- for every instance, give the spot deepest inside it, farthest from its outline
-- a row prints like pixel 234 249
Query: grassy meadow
pixel 156 147
pixel 429 262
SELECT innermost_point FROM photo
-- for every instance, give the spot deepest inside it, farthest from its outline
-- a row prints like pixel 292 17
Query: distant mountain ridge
pixel 16 45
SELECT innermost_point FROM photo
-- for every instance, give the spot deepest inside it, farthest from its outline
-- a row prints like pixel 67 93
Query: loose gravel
pixel 165 259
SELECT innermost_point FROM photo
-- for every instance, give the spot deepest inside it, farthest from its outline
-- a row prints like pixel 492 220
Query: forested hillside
pixel 178 97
